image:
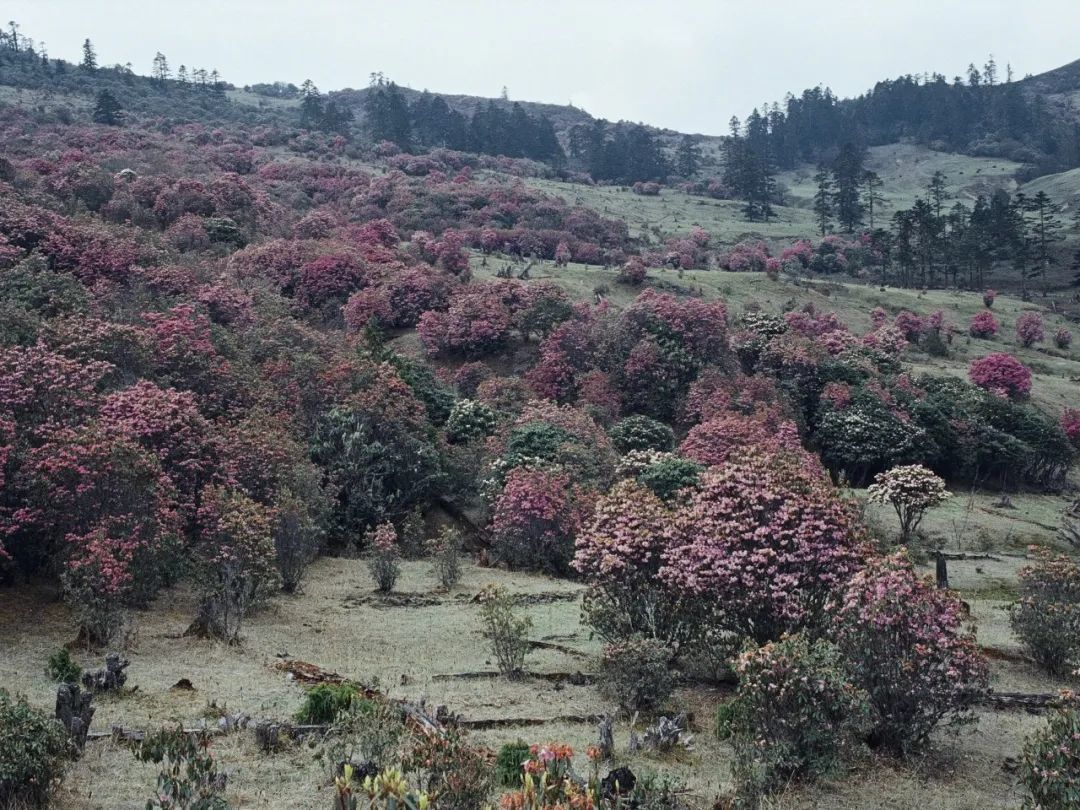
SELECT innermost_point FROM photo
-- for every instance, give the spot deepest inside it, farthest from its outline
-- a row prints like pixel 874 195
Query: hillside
pixel 402 473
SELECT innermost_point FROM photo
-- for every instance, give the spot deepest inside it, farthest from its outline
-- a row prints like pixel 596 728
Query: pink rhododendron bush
pixel 768 538
pixel 1046 617
pixel 795 714
pixel 908 650
pixel 1029 329
pixel 983 325
pixel 1001 374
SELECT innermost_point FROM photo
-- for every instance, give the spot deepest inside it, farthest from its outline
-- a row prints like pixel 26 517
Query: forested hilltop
pixel 366 434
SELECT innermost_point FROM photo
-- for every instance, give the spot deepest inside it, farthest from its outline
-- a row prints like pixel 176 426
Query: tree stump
pixel 607 737
pixel 109 679
pixel 942 570
pixel 74 712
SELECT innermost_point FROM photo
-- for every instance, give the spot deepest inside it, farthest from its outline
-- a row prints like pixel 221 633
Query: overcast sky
pixel 685 64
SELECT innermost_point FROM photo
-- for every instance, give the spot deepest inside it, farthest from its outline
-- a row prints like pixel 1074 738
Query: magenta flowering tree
pixel 535 519
pixel 713 441
pixel 620 552
pixel 168 424
pixel 911 326
pixel 908 650
pixel 1070 423
pixel 768 537
pixel 633 272
pixel 1029 329
pixel 983 325
pixel 989 296
pixel 1001 374
pixel 1063 338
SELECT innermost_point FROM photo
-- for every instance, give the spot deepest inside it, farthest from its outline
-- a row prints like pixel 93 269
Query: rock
pixel 619 782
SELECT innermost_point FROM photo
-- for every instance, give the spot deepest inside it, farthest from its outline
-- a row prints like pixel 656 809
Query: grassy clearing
pixel 338 624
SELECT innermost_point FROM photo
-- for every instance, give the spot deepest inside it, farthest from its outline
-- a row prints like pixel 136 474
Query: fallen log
pixel 519 722
pixel 1031 701
pixel 575 678
pixel 548 645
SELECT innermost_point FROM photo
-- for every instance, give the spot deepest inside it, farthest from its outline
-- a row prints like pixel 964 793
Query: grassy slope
pixel 1056 373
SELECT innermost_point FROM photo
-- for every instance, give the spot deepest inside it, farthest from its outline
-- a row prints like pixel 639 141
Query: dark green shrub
pixel 437 398
pixel 667 477
pixel 61 667
pixel 189 777
pixel 33 748
pixel 324 702
pixel 641 433
pixel 534 440
pixel 509 761
pixel 636 674
pixel 725 713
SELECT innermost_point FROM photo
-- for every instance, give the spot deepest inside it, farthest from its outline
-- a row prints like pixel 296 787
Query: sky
pixel 684 64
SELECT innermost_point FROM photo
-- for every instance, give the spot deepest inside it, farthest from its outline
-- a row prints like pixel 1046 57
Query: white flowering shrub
pixel 468 420
pixel 912 490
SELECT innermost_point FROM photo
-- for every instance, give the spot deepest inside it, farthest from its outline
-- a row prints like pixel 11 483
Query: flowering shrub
pixel 713 441
pixel 746 257
pixel 769 538
pixel 97 580
pixel 455 772
pixel 1001 374
pixel 34 749
pixel 445 550
pixel 983 325
pixel 1070 423
pixel 911 326
pixel 235 557
pixel 1050 766
pixel 1063 338
pixel 641 433
pixel 633 272
pixel 907 650
pixel 469 420
pixel 549 783
pixel 911 489
pixel 1029 329
pixel 795 714
pixel 535 519
pixel 383 565
pixel 620 555
pixel 636 674
pixel 1046 616
pixel 989 296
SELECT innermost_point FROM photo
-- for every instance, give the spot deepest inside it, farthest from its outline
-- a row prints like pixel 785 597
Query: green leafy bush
pixel 509 761
pixel 62 668
pixel 795 715
pixel 1046 617
pixel 189 777
pixel 1050 766
pixel 324 702
pixel 636 674
pixel 669 476
pixel 33 749
pixel 507 633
